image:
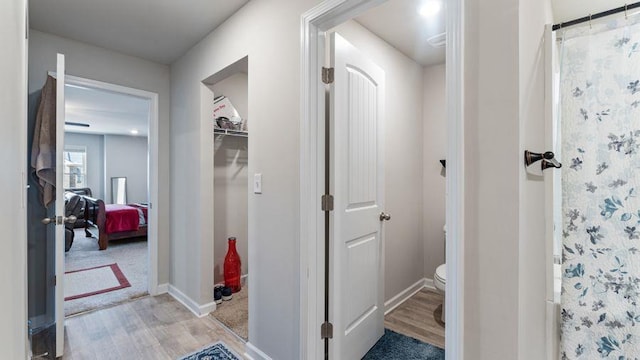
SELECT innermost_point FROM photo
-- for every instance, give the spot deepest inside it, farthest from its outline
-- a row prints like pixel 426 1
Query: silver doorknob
pixel 60 219
pixel 384 217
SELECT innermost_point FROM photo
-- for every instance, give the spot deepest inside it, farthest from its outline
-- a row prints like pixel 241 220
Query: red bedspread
pixel 121 218
pixel 144 210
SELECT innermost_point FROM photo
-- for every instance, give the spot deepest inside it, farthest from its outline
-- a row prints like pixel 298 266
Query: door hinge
pixel 326 330
pixel 327 202
pixel 327 75
pixel 55 280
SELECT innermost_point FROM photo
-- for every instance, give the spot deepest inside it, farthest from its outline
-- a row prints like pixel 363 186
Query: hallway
pixel 149 328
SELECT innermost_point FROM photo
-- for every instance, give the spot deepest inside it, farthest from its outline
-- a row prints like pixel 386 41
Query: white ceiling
pixel 156 30
pixel 399 23
pixel 106 112
pixel 565 10
pixel 163 30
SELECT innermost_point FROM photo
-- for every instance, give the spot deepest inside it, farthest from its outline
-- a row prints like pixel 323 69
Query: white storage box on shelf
pixel 226 116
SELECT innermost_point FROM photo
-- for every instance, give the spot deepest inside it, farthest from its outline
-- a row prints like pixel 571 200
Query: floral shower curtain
pixel 600 137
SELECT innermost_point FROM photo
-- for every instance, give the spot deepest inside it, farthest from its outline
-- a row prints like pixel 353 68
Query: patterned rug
pixel 93 281
pixel 394 346
pixel 129 254
pixel 217 351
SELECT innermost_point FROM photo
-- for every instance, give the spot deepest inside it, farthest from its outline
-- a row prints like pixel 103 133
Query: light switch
pixel 257 183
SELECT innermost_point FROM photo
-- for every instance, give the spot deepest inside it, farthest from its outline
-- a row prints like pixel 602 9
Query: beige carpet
pixel 129 254
pixel 234 313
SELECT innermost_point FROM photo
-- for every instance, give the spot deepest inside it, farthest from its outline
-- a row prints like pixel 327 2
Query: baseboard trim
pixel 403 296
pixel 243 281
pixel 253 353
pixel 197 309
pixel 428 284
pixel 162 289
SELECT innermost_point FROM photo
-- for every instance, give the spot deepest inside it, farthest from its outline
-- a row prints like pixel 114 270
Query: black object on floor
pixel 394 346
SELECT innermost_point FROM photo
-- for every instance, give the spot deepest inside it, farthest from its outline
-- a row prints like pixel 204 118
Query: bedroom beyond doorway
pixel 106 180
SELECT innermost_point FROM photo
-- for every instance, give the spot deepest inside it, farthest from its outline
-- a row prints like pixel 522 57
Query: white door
pixel 60 232
pixel 357 183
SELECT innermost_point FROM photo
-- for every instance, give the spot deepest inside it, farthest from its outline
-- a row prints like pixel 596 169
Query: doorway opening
pixel 106 165
pixel 103 265
pixel 225 104
pixel 424 127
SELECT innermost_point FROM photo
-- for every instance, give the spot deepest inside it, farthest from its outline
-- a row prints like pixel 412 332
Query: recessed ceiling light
pixel 431 8
pixel 134 131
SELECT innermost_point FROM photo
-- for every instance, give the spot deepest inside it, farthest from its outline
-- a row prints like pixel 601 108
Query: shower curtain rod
pixel 596 16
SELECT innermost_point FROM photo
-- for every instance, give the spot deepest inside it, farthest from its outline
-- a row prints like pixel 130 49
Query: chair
pixel 72 206
pixel 82 192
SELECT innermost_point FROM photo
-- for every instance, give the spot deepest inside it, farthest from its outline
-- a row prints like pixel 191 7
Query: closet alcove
pixel 230 184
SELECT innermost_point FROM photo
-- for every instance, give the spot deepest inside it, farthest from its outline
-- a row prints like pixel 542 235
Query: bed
pixel 108 222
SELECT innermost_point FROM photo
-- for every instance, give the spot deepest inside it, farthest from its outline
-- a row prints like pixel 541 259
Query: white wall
pixel 492 163
pixel 403 235
pixel 96 63
pixel 114 156
pixel 504 240
pixel 434 181
pixel 534 14
pixel 268 31
pixel 127 156
pixel 94 145
pixel 13 258
pixel 231 183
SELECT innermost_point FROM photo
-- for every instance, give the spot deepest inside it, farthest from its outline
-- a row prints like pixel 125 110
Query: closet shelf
pixel 230 132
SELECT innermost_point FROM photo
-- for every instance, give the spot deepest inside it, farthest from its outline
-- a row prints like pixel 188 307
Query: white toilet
pixel 440 277
pixel 440 282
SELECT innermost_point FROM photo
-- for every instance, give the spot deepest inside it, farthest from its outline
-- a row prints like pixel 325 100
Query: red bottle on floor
pixel 232 267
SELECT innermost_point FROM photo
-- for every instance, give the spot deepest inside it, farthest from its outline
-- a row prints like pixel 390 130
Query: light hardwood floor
pixel 162 328
pixel 419 318
pixel 148 328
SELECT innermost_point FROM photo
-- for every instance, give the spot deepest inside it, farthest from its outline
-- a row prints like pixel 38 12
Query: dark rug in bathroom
pixel 394 346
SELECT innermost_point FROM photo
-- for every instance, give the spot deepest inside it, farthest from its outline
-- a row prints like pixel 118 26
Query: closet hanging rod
pixel 621 9
pixel 230 132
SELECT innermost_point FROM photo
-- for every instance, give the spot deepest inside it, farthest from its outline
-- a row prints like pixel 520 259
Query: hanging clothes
pixel 600 136
pixel 43 148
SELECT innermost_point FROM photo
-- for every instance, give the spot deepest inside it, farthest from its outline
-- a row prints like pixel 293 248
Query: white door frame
pixel 550 183
pixel 59 208
pixel 314 23
pixel 152 167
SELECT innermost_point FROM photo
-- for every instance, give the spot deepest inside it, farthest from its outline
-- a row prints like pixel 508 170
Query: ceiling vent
pixel 438 41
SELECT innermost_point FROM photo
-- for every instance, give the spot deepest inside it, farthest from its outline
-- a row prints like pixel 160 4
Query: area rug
pixel 131 255
pixel 217 351
pixel 93 281
pixel 394 346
